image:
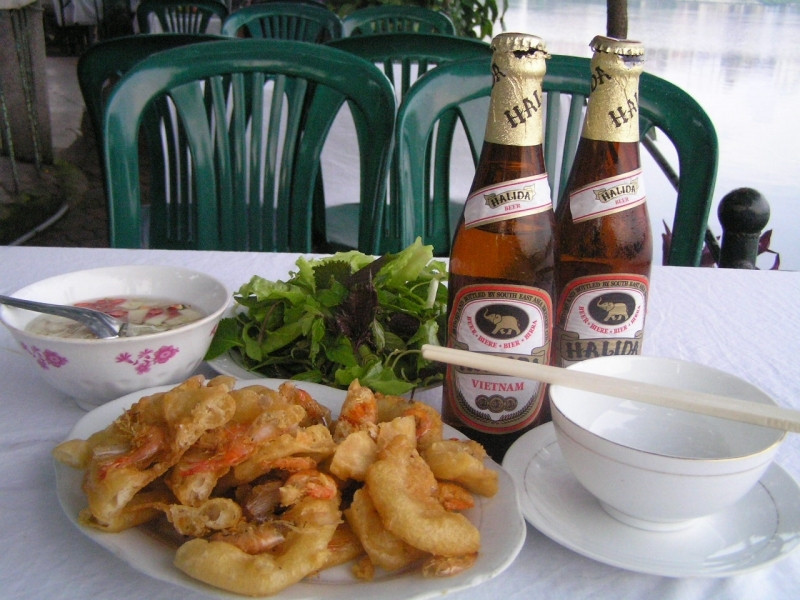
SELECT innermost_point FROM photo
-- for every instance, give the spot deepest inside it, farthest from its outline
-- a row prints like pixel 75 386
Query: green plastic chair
pixel 250 120
pixel 305 21
pixel 285 21
pixel 391 18
pixel 662 106
pixel 180 16
pixel 105 62
pixel 403 57
pixel 102 65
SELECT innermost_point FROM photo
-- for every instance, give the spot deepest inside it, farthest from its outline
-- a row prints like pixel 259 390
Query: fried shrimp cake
pixel 384 548
pixel 261 415
pixel 144 442
pixel 316 413
pixel 359 412
pixel 404 492
pixel 355 454
pixel 313 442
pixel 213 515
pixel 428 423
pixel 462 462
pixel 312 525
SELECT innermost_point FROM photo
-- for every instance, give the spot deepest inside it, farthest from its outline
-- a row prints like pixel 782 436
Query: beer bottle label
pixel 508 200
pixel 607 196
pixel 601 315
pixel 511 320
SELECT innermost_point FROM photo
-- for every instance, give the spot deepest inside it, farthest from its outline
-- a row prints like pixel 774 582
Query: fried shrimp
pixel 312 524
pixel 359 412
pixel 252 538
pixel 269 490
pixel 146 441
pixel 314 442
pixel 213 515
pixel 463 463
pixel 384 548
pixel 308 484
pixel 195 476
pixel 316 414
pixel 343 547
pixel 429 423
pixel 454 497
pixel 404 492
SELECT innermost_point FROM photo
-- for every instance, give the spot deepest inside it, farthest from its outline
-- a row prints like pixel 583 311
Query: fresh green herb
pixel 343 317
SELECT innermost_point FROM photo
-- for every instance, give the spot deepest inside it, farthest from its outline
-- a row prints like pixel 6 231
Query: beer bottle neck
pixel 516 105
pixel 613 111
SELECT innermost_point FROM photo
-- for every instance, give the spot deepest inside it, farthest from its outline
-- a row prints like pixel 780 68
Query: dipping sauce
pixel 149 315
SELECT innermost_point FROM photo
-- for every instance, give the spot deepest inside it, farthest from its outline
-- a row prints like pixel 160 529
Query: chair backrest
pixel 419 207
pixel 392 18
pixel 105 62
pixel 285 21
pixel 245 122
pixel 662 106
pixel 179 16
pixel 406 56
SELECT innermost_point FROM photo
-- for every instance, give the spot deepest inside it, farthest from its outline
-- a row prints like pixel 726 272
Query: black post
pixel 743 214
pixel 617 19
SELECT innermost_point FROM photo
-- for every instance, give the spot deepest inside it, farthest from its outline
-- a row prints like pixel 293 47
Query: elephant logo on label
pixel 502 321
pixel 612 308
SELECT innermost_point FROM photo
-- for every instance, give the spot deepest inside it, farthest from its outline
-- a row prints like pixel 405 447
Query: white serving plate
pixel 228 364
pixel 499 520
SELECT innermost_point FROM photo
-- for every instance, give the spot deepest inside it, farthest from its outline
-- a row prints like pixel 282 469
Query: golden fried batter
pixel 404 492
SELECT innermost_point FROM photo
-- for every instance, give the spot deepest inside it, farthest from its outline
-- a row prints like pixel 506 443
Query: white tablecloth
pixel 741 321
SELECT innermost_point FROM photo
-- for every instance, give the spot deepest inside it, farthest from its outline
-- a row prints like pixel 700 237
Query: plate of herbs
pixel 338 318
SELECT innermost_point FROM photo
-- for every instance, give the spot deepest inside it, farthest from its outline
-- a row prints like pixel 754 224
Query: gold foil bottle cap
pixel 518 42
pixel 610 45
pixel 613 113
pixel 518 68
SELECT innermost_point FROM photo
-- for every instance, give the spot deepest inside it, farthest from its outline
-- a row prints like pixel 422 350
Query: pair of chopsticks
pixel 765 415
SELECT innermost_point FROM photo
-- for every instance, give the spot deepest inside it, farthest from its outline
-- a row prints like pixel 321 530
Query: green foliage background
pixel 472 18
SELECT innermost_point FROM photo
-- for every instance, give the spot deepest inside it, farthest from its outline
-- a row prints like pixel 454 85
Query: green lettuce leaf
pixel 343 317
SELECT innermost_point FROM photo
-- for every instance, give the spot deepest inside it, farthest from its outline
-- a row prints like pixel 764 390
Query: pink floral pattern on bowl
pixel 45 358
pixel 147 358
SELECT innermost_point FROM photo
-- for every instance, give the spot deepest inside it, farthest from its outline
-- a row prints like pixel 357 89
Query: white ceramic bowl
pixel 653 467
pixel 94 371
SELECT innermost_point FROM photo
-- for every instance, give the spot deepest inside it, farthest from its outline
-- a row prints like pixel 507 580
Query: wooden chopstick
pixel 736 409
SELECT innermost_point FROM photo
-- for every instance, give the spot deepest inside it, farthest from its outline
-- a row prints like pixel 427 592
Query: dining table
pixel 743 322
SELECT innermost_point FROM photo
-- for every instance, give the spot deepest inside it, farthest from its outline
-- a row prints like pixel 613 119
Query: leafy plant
pixel 472 18
pixel 343 317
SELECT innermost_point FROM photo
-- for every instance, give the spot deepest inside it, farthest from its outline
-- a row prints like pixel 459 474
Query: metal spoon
pixel 102 325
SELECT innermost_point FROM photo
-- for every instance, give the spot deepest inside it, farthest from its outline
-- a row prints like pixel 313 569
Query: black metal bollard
pixel 743 214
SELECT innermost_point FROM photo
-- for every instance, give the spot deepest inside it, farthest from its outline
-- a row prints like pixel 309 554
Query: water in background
pixel 740 60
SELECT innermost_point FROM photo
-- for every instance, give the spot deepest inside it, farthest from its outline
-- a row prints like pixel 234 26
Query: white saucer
pixel 761 528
